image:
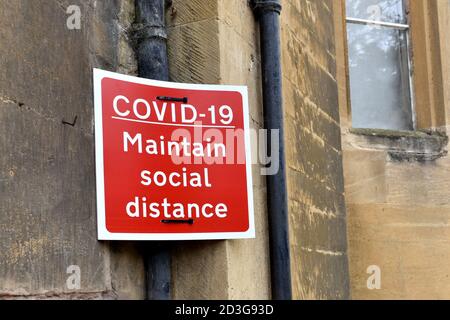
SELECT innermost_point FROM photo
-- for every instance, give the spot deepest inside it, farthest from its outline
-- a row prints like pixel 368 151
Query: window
pixel 379 65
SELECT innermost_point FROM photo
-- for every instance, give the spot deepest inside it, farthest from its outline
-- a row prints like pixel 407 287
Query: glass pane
pixel 378 10
pixel 379 78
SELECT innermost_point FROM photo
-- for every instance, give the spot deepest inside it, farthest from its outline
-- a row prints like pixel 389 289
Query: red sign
pixel 173 160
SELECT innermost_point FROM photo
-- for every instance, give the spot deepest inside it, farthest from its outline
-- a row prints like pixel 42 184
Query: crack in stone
pixel 21 105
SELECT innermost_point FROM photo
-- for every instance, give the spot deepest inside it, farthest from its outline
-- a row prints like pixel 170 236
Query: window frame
pixel 407 70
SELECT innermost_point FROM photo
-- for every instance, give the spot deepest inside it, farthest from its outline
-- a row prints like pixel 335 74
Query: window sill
pixel 417 146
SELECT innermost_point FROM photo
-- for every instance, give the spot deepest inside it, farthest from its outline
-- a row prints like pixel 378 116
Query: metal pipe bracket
pixel 261 6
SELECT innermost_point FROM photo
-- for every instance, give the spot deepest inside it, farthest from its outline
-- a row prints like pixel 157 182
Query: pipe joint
pixel 262 6
pixel 144 32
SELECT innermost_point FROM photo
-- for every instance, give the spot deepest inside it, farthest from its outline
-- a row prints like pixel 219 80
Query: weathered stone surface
pixel 314 157
pixel 413 146
pixel 200 270
pixel 324 275
pixel 249 264
pixel 410 245
pixel 47 169
pixel 398 206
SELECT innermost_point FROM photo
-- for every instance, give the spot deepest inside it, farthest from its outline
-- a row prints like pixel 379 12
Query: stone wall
pixel 398 192
pixel 47 168
pixel 314 156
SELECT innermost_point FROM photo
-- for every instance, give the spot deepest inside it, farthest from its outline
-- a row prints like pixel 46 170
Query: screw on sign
pixel 173 160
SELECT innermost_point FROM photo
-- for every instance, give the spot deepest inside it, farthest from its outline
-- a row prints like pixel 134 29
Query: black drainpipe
pixel 268 12
pixel 151 36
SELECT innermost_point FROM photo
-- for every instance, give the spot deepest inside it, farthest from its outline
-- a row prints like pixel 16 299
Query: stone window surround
pixel 413 146
pixel 429 141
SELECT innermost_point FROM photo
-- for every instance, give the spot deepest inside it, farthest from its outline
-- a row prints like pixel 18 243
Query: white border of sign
pixel 103 233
